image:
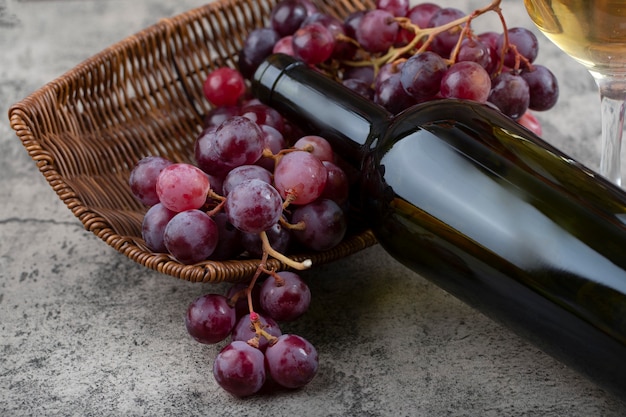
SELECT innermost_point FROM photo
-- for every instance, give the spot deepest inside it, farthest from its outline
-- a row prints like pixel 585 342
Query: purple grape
pixel 244 173
pixel 238 141
pixel 285 298
pixel 191 236
pixel 253 206
pixel 240 369
pixel 241 304
pixel 275 142
pixel 219 115
pixel 543 88
pixel 244 330
pixel 398 8
pixel 466 80
pixel 510 94
pixel 377 31
pixel 287 16
pixel 257 46
pixel 210 319
pixel 262 114
pixel 153 226
pixel 421 75
pixel 313 43
pixel 360 87
pixel 292 361
pixel 524 40
pixel 444 42
pixel 143 178
pixel 300 175
pixel 474 50
pixel 391 95
pixel 337 186
pixel 325 224
pixel 206 156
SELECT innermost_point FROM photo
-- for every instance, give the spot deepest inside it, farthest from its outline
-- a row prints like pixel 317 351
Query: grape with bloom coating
pixel 153 226
pixel 510 94
pixel 182 187
pixel 300 175
pixel 191 236
pixel 285 298
pixel 210 319
pixel 240 369
pixel 292 361
pixel 421 75
pixel 325 224
pixel 317 146
pixel 238 141
pixel 377 30
pixel 143 178
pixel 466 80
pixel 253 206
pixel 313 43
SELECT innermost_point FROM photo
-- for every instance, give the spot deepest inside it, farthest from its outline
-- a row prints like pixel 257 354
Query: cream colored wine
pixel 591 31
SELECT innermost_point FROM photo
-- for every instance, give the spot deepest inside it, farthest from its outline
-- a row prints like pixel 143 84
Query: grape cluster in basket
pixel 258 187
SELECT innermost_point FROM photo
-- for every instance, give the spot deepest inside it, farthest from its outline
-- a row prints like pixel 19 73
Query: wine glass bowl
pixel 593 32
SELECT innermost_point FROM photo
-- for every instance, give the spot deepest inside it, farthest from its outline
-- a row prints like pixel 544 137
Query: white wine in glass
pixel 594 33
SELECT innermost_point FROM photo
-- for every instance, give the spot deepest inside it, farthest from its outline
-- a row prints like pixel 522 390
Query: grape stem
pixel 395 54
pixel 306 264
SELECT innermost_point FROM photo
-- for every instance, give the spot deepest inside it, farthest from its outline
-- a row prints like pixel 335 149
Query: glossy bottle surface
pixel 489 212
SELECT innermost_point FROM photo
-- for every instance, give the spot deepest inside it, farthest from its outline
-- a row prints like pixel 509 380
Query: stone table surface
pixel 84 331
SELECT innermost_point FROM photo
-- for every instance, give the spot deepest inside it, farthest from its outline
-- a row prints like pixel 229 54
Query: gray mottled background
pixel 86 332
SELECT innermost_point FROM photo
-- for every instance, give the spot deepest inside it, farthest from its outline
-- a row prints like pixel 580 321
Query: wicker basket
pixel 143 96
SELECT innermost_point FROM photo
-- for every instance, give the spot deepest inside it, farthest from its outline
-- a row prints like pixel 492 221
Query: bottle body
pixel 473 202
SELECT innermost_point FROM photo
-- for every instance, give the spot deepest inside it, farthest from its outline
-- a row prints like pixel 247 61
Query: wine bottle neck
pixel 314 101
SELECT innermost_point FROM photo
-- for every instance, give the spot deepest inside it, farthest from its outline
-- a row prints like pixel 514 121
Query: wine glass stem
pixel 613 99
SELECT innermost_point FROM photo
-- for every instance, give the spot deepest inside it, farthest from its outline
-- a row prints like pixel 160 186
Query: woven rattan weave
pixel 139 97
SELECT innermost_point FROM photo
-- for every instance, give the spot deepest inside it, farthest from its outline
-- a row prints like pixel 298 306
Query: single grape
pixel 325 224
pixel 313 44
pixel 285 298
pixel 244 330
pixel 244 173
pixel 301 176
pixel 530 122
pixel 317 146
pixel 253 206
pixel 224 87
pixel 525 42
pixel 257 46
pixel 421 75
pixel 182 187
pixel 153 226
pixel 287 16
pixel 143 178
pixel 292 361
pixel 466 80
pixel 206 156
pixel 444 42
pixel 240 369
pixel 238 141
pixel 474 50
pixel 422 13
pixel 210 319
pixel 377 31
pixel 278 236
pixel 510 94
pixel 543 87
pixel 191 236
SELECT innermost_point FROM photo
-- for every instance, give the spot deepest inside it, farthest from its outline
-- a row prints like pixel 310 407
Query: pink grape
pixel 153 226
pixel 182 187
pixel 238 141
pixel 313 43
pixel 320 147
pixel 377 30
pixel 466 80
pixel 301 175
pixel 210 319
pixel 240 369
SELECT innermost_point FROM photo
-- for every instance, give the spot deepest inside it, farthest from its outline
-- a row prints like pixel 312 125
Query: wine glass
pixel 594 33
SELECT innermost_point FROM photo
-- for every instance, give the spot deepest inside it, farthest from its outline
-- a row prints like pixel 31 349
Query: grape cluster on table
pixel 258 186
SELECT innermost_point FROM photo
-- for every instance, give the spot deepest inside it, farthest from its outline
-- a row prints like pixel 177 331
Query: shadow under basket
pixel 143 96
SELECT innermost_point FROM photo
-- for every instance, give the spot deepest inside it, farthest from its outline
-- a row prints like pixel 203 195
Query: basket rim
pixel 23 117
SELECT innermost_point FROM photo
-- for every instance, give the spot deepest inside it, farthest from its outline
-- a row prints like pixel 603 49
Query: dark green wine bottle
pixel 485 209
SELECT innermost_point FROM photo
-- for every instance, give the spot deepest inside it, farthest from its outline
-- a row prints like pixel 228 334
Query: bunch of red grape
pixel 398 56
pixel 259 187
pixel 258 352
